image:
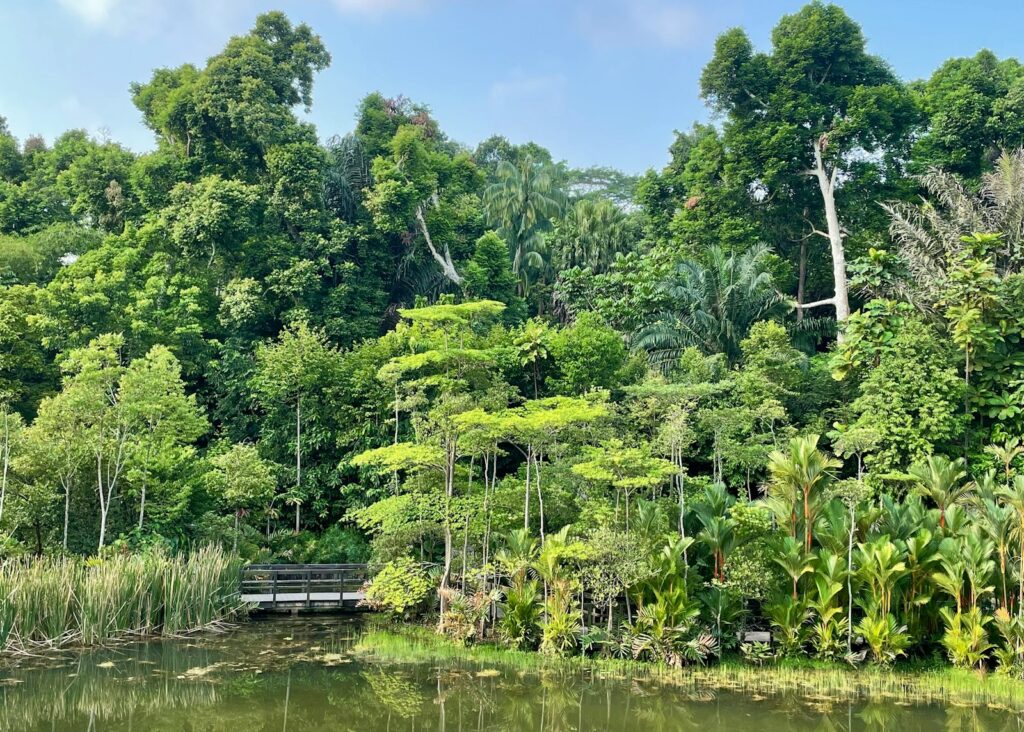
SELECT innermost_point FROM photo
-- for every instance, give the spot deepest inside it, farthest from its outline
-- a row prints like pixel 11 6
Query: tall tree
pixel 521 203
pixel 296 374
pixel 808 119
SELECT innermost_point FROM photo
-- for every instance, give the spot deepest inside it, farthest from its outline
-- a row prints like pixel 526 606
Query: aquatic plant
pixel 60 601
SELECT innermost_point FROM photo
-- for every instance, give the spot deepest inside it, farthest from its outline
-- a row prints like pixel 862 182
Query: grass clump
pixel 54 602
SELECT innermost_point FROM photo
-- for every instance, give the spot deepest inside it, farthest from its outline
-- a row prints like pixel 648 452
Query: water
pixel 291 675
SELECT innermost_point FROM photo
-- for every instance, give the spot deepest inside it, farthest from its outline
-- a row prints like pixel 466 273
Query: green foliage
pixel 400 587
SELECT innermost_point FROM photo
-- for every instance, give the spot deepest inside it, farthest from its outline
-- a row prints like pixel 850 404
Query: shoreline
pixel 811 680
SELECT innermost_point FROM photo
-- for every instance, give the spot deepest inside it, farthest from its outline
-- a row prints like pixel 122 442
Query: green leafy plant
pixel 401 587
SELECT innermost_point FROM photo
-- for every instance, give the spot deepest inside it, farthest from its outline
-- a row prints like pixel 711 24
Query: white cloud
pixel 636 22
pixel 93 12
pixel 544 91
pixel 119 16
pixel 376 7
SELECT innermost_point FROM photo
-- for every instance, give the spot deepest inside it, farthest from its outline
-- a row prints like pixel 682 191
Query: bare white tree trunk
pixel 445 260
pixel 834 233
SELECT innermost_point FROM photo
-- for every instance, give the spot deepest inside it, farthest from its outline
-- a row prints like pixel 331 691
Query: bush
pixel 401 587
pixel 520 622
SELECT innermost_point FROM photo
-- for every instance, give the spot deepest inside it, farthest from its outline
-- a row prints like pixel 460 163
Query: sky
pixel 598 82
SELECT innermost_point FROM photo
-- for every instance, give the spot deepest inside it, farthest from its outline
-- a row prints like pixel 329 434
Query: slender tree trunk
pixel 827 186
pixel 849 580
pixel 801 283
pixel 7 462
pixel 103 503
pixel 526 500
pixel 540 494
pixel 142 504
pixel 67 514
pixel 449 486
pixel 298 461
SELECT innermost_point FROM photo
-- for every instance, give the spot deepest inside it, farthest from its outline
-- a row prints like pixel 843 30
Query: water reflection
pixel 288 676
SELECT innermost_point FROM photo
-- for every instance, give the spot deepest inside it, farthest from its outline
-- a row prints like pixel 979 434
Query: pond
pixel 305 674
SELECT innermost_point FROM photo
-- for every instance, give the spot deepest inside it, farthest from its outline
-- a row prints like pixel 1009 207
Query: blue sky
pixel 596 81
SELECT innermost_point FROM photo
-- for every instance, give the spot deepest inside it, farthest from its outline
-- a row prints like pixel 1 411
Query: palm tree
pixel 929 236
pixel 801 474
pixel 942 480
pixel 593 233
pixel 1006 454
pixel 520 204
pixel 714 303
pixel 1012 496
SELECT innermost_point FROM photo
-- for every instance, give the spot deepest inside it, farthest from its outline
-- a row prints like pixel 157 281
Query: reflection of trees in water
pixel 281 677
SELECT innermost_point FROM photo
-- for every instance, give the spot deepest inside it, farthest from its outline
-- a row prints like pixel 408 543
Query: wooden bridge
pixel 304 586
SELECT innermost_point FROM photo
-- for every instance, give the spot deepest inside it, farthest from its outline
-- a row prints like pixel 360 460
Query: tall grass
pixel 62 601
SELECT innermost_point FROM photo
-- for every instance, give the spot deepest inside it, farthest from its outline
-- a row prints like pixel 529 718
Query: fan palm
pixel 520 204
pixel 942 480
pixel 715 302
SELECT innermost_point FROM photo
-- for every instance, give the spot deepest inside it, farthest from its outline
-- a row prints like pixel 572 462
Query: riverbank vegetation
pixel 773 387
pixel 62 601
pixel 819 681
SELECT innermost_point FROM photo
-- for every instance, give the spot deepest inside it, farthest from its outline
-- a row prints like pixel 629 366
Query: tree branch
pixel 447 267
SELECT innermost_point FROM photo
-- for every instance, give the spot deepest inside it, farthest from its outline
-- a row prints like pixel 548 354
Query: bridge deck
pixel 297 586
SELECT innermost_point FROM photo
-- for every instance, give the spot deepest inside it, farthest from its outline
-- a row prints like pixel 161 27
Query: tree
pixel 521 203
pixel 92 395
pixel 489 276
pixel 241 480
pixel 803 116
pixel 911 399
pixel 803 473
pixel 627 469
pixel 975 108
pixel 713 303
pixel 943 480
pixel 163 420
pixel 418 187
pixel 11 438
pixel 592 234
pixel 297 373
pixel 56 450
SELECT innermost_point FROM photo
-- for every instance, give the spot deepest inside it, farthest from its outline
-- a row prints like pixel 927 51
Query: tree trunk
pixel 67 513
pixel 445 260
pixel 103 503
pixel 142 505
pixel 449 489
pixel 827 186
pixel 526 500
pixel 298 461
pixel 540 495
pixel 7 462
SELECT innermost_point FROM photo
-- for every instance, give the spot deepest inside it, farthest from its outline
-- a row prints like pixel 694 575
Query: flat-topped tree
pixel 539 427
pixel 808 119
pixel 624 468
pixel 448 375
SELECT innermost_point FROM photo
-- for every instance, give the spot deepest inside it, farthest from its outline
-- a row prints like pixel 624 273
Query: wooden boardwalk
pixel 304 586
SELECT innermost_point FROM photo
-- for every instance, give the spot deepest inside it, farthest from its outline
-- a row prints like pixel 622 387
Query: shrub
pixel 401 587
pixel 521 615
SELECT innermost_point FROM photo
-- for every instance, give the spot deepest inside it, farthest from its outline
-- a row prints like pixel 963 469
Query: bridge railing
pixel 303 585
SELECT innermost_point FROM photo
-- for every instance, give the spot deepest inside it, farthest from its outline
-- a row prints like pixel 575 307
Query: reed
pixel 63 601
